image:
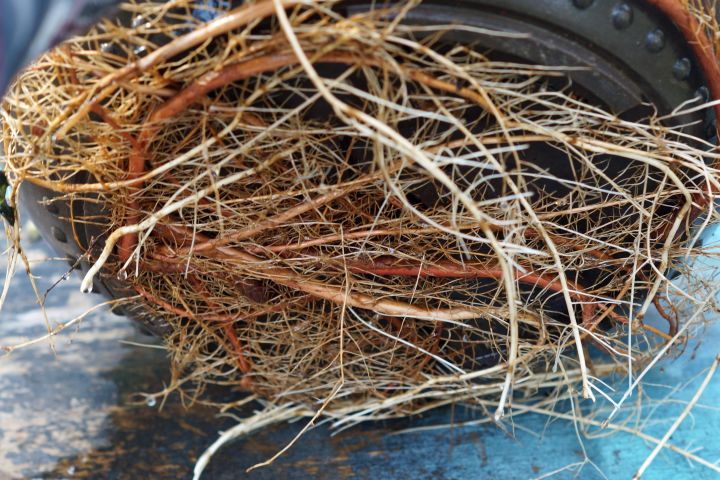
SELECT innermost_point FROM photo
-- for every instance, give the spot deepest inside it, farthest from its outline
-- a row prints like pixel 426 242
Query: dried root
pixel 350 211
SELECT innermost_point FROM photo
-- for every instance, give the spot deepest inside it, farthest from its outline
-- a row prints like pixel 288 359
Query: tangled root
pixel 351 211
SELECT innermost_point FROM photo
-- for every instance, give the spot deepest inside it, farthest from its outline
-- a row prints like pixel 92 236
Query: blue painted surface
pixel 539 445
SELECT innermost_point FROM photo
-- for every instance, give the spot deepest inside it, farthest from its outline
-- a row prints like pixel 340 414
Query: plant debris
pixel 343 215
